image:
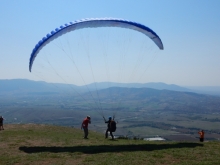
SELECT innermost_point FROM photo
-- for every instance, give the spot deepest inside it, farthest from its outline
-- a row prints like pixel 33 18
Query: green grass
pixel 44 144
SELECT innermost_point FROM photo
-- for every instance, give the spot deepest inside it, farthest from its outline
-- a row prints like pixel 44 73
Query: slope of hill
pixel 45 144
pixel 147 98
pixel 21 86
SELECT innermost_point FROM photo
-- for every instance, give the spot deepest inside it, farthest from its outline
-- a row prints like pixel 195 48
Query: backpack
pixel 113 126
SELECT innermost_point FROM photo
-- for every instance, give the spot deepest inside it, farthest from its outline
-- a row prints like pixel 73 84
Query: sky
pixel 189 30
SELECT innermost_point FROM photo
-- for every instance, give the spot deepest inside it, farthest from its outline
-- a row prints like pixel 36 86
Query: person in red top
pixel 201 133
pixel 84 126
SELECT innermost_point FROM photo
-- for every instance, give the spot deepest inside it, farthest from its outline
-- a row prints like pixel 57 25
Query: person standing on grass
pixel 111 127
pixel 1 123
pixel 84 126
pixel 201 133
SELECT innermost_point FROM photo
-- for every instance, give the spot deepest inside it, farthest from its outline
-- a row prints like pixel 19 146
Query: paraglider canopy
pixel 94 23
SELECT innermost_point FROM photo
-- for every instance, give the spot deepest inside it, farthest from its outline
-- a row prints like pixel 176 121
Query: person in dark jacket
pixel 1 123
pixel 109 128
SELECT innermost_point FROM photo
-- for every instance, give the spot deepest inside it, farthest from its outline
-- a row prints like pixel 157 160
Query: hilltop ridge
pixel 46 144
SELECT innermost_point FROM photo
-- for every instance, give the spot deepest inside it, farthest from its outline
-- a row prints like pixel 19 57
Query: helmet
pixel 88 117
pixel 109 117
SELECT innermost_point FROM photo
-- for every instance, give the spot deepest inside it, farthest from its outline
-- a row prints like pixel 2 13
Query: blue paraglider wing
pixel 93 23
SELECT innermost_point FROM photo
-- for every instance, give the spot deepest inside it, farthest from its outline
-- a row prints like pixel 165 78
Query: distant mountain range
pixel 158 86
pixel 29 86
pixel 150 96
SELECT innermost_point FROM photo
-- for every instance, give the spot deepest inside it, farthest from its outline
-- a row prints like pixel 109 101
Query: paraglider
pixel 93 23
pixel 111 127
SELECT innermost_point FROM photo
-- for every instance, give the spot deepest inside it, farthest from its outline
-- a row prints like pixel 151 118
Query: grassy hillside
pixel 45 144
